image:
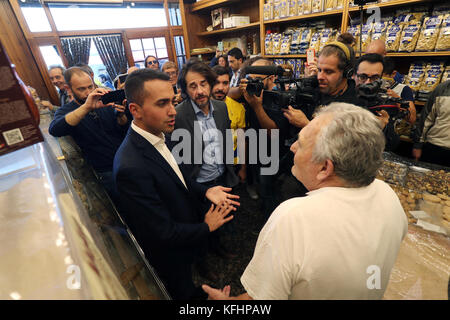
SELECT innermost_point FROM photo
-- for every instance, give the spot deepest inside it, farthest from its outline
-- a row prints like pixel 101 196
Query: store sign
pixel 19 115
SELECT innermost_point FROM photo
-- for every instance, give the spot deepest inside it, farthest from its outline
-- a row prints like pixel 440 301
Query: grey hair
pixel 353 140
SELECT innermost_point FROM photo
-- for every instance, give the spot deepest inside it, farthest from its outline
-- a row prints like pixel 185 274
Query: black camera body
pixel 375 98
pixel 116 96
pixel 254 87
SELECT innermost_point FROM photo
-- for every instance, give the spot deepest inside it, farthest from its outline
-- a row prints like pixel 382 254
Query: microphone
pixel 266 70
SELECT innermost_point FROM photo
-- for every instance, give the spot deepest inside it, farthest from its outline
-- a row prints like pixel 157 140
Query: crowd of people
pixel 170 155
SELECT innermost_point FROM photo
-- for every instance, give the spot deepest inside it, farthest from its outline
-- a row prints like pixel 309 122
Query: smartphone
pixel 114 96
pixel 220 45
pixel 310 55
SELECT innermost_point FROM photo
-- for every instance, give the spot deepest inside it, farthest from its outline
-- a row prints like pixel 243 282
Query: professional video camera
pixel 302 93
pixel 374 97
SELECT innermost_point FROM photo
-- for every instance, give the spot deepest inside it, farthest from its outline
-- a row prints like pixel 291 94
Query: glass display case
pixel 58 243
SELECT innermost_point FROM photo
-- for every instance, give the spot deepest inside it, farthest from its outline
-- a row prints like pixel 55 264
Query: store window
pixel 51 56
pixel 94 16
pixel 180 50
pixel 34 15
pixel 174 14
pixel 149 46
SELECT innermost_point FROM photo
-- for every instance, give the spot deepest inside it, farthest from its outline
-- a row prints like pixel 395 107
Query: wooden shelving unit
pixel 253 25
pixel 419 54
pixel 210 4
pixel 304 17
pixel 396 3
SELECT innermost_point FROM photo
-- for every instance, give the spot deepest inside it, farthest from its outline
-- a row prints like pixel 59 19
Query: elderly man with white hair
pixel 341 240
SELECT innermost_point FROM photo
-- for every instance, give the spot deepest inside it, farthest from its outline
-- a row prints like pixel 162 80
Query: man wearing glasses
pixel 152 62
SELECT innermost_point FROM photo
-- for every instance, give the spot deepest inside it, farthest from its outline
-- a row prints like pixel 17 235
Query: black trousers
pixel 434 154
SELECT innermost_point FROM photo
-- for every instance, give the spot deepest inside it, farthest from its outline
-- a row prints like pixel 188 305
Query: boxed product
pixel 235 21
pixel 293 8
pixel 317 6
pixel 410 35
pixel 429 33
pixel 393 36
pixel 433 75
pixel 443 41
pixel 217 17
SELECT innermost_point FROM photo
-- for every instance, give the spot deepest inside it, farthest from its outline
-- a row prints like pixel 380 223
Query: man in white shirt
pixel 235 61
pixel 341 240
pixel 162 207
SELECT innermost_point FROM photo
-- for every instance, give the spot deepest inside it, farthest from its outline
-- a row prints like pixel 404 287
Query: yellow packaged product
pixel 429 33
pixel 379 31
pixel 286 44
pixel 268 11
pixel 307 6
pixel 268 44
pixel 317 6
pixel 276 9
pixel 415 76
pixel 443 41
pixel 315 41
pixel 305 40
pixel 327 36
pixel 446 75
pixel 354 31
pixel 276 38
pixel 393 36
pixel 432 77
pixel 366 35
pixel 339 4
pixel 284 8
pixel 293 8
pixel 409 38
pixel 330 5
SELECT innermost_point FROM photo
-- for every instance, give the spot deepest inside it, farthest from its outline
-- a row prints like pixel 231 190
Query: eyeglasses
pixel 363 77
pixel 152 62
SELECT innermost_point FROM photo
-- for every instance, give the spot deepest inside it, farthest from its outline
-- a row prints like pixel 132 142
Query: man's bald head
pixel 377 46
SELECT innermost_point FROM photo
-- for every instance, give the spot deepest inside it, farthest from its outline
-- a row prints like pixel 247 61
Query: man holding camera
pixel 98 129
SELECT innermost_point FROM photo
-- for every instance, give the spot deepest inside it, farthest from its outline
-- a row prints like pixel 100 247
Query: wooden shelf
pixel 210 4
pixel 228 30
pixel 419 54
pixel 284 56
pixel 199 53
pixel 394 3
pixel 306 16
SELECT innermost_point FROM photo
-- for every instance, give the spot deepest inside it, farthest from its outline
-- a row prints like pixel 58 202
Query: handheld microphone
pixel 266 70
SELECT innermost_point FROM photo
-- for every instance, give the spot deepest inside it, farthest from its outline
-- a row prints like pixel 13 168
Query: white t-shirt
pixel 334 243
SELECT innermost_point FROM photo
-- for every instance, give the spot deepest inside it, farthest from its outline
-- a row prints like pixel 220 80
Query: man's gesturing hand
pixel 217 216
pixel 219 194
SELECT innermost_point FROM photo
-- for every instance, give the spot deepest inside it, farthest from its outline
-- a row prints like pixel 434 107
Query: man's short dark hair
pixel 236 53
pixel 85 67
pixel 197 66
pixel 56 66
pixel 220 71
pixel 372 58
pixel 134 85
pixel 389 65
pixel 68 74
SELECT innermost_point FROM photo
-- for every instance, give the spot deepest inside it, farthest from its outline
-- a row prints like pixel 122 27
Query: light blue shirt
pixel 212 166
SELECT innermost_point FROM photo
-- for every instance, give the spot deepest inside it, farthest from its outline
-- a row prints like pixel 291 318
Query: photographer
pixel 259 115
pixel 333 69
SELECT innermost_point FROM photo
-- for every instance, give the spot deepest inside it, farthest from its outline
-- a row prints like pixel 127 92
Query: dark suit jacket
pixel 165 218
pixel 186 118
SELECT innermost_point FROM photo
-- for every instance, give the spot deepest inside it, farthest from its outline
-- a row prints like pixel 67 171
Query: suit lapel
pixel 150 152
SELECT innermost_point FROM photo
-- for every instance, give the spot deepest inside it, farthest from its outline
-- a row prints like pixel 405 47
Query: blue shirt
pixel 212 166
pixel 98 134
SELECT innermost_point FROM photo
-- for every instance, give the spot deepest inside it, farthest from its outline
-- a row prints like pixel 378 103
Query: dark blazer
pixel 186 118
pixel 165 217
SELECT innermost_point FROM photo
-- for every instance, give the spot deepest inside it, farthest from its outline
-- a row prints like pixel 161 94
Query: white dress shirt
pixel 160 144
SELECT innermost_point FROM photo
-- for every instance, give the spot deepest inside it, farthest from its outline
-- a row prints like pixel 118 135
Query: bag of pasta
pixel 286 44
pixel 293 8
pixel 307 6
pixel 393 36
pixel 379 31
pixel 268 44
pixel 429 34
pixel 324 38
pixel 409 38
pixel 276 9
pixel 295 43
pixel 268 11
pixel 443 41
pixel 284 8
pixel 317 6
pixel 354 31
pixel 305 40
pixel 415 76
pixel 433 75
pixel 446 75
pixel 330 5
pixel 276 43
pixel 315 41
pixel 366 35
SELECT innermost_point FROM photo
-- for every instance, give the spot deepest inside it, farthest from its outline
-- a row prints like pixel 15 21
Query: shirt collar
pixel 197 109
pixel 154 140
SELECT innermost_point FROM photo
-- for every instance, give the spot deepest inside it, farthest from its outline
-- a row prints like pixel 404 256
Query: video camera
pixel 374 97
pixel 302 93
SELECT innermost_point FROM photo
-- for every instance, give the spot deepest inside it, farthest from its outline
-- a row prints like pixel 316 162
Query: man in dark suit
pixel 163 207
pixel 206 120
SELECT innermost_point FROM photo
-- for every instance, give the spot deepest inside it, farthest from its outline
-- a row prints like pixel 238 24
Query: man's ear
pixel 134 110
pixel 326 171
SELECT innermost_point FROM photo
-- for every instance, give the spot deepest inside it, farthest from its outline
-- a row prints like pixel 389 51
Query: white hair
pixel 353 140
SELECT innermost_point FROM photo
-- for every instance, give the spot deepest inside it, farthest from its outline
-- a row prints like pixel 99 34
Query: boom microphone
pixel 266 70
